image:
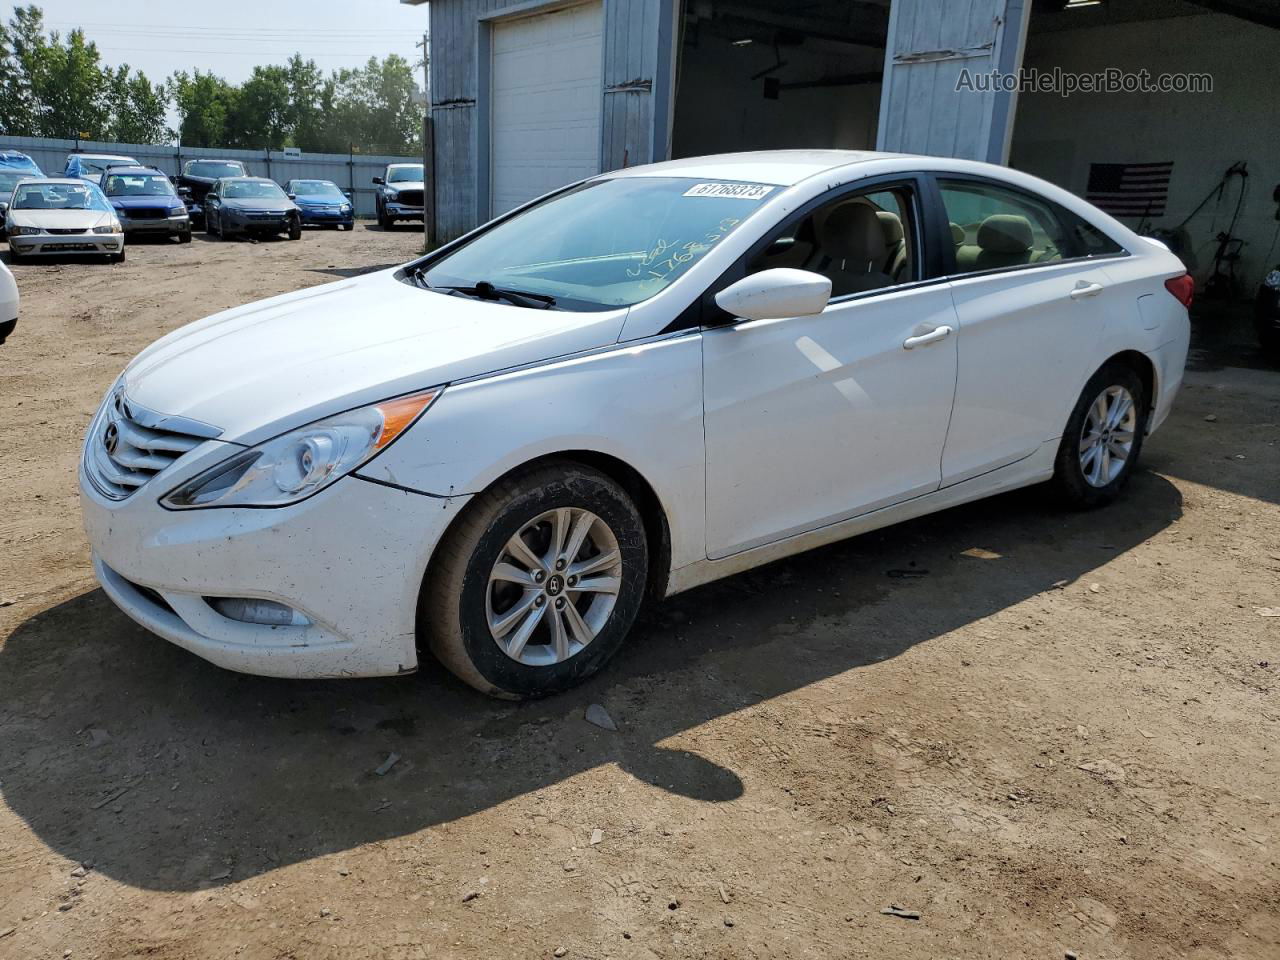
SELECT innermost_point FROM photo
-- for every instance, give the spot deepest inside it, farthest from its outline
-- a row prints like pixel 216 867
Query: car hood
pixel 160 200
pixel 258 370
pixel 59 219
pixel 257 203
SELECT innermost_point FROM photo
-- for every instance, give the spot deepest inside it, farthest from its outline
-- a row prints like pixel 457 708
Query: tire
pixel 116 257
pixel 185 236
pixel 14 255
pixel 384 221
pixel 1078 474
pixel 208 227
pixel 459 597
pixel 295 230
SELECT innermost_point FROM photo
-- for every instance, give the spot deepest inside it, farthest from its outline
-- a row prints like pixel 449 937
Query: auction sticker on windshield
pixel 733 191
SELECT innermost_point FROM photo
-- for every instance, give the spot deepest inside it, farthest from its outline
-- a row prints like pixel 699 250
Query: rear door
pixel 1031 310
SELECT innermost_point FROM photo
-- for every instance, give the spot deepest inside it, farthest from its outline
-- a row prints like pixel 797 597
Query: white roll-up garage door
pixel 547 96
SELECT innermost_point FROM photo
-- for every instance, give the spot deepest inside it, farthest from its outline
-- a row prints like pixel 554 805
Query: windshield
pixel 252 190
pixel 410 173
pixel 138 185
pixel 316 188
pixel 211 170
pixel 59 196
pixel 612 243
pixel 10 180
pixel 100 164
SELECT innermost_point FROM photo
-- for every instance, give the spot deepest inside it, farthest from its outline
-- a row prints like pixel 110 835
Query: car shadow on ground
pixel 168 773
pixel 405 226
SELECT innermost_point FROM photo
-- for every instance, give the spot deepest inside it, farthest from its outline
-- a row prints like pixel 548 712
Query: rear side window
pixel 1089 240
pixel 995 228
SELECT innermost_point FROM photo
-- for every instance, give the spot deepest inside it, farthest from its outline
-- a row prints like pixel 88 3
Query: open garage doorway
pixel 771 74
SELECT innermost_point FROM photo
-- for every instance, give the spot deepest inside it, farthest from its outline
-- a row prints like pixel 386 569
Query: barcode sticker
pixel 733 191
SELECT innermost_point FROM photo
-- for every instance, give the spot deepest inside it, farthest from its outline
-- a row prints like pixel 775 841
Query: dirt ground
pixel 1057 732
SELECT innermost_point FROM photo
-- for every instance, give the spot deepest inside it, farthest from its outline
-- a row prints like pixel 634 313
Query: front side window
pixel 610 243
pixel 994 227
pixel 59 196
pixel 138 185
pixel 861 242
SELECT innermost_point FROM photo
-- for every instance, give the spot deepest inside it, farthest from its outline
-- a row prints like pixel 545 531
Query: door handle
pixel 933 336
pixel 1085 289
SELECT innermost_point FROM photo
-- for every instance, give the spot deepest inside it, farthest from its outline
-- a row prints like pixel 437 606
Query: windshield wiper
pixel 483 289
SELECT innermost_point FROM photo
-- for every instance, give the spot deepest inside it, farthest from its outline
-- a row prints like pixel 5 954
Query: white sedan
pixel 8 303
pixel 62 216
pixel 638 384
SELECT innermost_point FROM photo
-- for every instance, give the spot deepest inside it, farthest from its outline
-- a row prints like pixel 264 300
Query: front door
pixel 811 420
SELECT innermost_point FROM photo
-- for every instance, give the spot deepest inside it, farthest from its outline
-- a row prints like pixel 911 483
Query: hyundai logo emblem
pixel 111 437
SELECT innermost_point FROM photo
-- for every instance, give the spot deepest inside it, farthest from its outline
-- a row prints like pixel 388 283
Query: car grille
pixel 130 444
pixel 147 213
pixel 66 231
pixel 266 215
pixel 411 198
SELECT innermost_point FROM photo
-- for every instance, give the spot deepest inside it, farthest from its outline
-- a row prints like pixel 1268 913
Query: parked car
pixel 91 166
pixel 146 203
pixel 1266 313
pixel 8 303
pixel 60 216
pixel 196 179
pixel 250 205
pixel 400 193
pixel 14 167
pixel 651 379
pixel 322 202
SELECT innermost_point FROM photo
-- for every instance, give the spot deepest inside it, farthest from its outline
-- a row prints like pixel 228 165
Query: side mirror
pixel 379 181
pixel 292 196
pixel 184 191
pixel 775 294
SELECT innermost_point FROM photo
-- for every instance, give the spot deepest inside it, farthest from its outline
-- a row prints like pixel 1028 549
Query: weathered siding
pixel 631 57
pixel 930 43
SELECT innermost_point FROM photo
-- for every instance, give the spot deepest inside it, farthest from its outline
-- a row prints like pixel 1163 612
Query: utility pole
pixel 428 145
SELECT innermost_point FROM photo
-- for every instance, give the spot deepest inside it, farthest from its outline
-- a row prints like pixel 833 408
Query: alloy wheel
pixel 1106 440
pixel 553 586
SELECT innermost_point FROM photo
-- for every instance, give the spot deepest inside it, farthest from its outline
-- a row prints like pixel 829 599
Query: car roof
pixel 67 181
pixel 134 168
pixel 211 160
pixel 103 156
pixel 252 179
pixel 783 168
pixel 406 163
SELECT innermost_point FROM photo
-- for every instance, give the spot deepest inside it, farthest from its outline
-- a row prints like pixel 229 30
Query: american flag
pixel 1129 189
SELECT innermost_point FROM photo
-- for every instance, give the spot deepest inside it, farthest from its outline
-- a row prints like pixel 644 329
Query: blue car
pixel 322 203
pixel 145 202
pixel 14 167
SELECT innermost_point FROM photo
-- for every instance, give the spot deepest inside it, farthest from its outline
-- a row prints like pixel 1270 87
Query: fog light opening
pixel 265 612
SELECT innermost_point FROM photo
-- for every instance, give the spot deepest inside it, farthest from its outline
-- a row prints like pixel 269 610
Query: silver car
pixel 62 216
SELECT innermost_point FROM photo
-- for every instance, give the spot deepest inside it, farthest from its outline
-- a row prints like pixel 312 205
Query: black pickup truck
pixel 198 176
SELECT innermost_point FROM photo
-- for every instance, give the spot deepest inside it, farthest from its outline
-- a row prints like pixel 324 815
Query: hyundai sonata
pixel 640 383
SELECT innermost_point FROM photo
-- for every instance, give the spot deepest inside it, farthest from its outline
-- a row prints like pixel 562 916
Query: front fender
pixel 638 403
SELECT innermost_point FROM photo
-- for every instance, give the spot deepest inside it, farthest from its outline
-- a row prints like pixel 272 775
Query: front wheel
pixel 295 230
pixel 538 583
pixel 185 236
pixel 1103 437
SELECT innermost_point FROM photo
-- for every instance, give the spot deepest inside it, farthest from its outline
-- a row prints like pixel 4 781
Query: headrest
pixel 852 232
pixel 1005 233
pixel 957 234
pixel 891 226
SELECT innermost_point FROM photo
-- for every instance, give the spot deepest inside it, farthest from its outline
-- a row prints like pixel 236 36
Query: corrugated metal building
pixel 527 95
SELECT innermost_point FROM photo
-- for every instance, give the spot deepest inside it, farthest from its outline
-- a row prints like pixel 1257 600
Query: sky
pixel 230 37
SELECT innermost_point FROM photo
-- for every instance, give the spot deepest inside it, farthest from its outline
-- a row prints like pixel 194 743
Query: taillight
pixel 1183 288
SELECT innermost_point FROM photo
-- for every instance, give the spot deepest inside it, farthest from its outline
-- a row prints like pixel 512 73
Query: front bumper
pixel 327 217
pixel 240 224
pixel 55 244
pixel 402 211
pixel 173 226
pixel 350 559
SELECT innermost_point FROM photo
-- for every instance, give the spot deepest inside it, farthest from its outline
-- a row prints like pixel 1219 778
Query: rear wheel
pixel 538 583
pixel 1103 437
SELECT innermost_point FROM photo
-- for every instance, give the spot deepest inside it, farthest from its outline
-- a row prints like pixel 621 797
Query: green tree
pixel 136 106
pixel 68 86
pixel 21 48
pixel 262 115
pixel 203 102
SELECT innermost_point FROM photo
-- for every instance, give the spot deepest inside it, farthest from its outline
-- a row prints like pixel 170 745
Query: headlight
pixel 346 208
pixel 178 211
pixel 25 231
pixel 109 228
pixel 297 464
pixel 1272 280
pixel 393 194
